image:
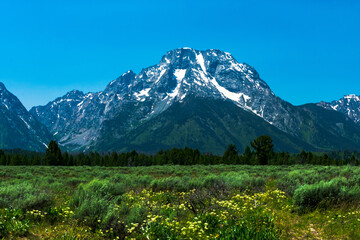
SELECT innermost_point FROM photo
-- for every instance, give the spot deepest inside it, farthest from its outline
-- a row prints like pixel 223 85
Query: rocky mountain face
pixel 133 109
pixel 18 128
pixel 349 105
pixel 203 123
pixel 76 118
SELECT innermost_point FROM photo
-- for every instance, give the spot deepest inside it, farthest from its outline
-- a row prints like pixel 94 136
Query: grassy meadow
pixel 180 202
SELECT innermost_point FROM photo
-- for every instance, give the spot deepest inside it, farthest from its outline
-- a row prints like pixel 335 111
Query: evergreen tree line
pixel 260 153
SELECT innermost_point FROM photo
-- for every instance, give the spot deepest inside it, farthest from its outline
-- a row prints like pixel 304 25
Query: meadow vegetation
pixel 180 202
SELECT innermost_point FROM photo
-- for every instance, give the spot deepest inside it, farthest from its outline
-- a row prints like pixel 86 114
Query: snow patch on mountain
pixel 200 60
pixel 229 95
pixel 7 107
pixel 180 74
pixel 161 74
pixel 142 93
pixel 27 125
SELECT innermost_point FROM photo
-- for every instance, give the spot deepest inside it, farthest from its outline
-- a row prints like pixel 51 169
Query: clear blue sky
pixel 307 51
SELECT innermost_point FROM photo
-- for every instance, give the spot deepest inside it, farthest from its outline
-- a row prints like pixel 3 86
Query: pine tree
pixel 247 155
pixel 2 158
pixel 230 155
pixel 66 159
pixel 264 148
pixel 53 154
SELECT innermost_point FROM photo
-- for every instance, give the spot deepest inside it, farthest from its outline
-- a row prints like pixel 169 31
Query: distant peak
pixel 74 93
pixel 181 50
pixel 182 57
pixel 124 79
pixel 351 96
pixel 187 49
pixel 127 73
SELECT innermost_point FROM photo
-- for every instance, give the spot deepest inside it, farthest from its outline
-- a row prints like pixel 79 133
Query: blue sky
pixel 307 51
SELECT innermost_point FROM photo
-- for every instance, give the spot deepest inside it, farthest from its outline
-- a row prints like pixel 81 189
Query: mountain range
pixel 200 99
pixel 18 128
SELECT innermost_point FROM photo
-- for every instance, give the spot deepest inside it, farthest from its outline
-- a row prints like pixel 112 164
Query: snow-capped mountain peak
pixel 212 73
pixel 182 72
pixel 352 97
pixel 348 105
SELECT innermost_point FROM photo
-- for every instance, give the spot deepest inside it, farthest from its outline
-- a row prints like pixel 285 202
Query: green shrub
pixel 25 175
pixel 243 181
pixel 92 201
pixel 352 194
pixel 137 214
pixel 169 183
pixel 3 174
pixel 320 194
pixel 214 182
pixel 24 196
pixel 73 181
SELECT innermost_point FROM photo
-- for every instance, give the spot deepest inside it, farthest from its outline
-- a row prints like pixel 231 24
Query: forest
pixel 260 153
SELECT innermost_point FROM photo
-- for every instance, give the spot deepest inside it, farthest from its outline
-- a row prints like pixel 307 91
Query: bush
pixel 93 201
pixel 24 196
pixel 169 183
pixel 244 181
pixel 320 194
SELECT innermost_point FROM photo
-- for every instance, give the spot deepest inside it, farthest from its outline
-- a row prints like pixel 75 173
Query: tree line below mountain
pixel 261 152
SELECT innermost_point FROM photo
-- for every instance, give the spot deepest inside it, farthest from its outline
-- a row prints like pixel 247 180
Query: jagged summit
pixel 18 128
pixel 121 82
pixel 186 71
pixel 74 93
pixel 352 96
pixel 348 105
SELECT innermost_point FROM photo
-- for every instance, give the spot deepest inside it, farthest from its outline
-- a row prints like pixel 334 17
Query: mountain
pixel 203 123
pixel 146 111
pixel 18 128
pixel 349 105
pixel 327 129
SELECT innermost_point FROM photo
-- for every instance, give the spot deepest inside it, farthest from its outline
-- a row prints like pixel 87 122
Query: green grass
pixel 180 202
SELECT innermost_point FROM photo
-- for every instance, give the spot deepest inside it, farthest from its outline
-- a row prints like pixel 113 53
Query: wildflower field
pixel 180 202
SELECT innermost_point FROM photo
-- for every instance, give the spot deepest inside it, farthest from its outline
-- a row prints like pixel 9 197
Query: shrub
pixel 73 181
pixel 169 183
pixel 214 182
pixel 319 194
pixel 93 201
pixel 24 196
pixel 244 181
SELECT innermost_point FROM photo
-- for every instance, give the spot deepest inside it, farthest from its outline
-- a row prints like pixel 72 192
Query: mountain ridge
pixel 180 72
pixel 80 121
pixel 348 105
pixel 18 128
